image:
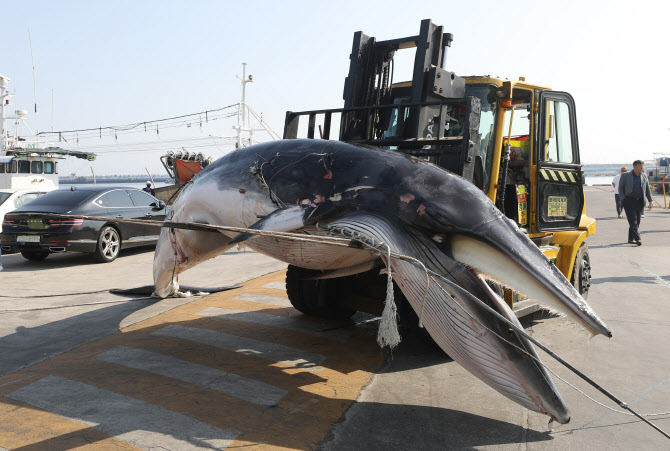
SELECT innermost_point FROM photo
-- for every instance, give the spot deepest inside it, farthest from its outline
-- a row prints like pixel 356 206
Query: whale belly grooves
pixel 456 325
pixel 310 255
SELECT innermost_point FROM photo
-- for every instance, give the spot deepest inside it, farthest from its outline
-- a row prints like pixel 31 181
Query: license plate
pixel 28 238
pixel 36 224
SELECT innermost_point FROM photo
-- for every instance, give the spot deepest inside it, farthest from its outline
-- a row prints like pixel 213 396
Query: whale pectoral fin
pixel 296 217
pixel 280 220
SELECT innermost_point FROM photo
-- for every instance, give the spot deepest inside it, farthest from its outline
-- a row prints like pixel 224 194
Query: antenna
pixel 32 59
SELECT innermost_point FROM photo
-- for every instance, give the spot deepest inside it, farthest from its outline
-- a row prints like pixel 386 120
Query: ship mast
pixel 244 113
pixel 4 97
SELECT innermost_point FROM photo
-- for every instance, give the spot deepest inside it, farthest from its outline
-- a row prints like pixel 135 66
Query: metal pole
pixel 4 95
pixel 665 203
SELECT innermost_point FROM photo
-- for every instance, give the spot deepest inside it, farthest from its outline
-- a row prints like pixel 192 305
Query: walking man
pixel 633 188
pixel 617 198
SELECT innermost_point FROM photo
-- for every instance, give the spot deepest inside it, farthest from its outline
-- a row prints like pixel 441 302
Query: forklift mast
pixel 427 117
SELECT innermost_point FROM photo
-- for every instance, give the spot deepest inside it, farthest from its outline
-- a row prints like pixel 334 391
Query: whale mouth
pixel 520 265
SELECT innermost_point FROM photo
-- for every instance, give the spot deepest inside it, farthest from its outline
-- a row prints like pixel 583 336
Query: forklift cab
pixel 535 130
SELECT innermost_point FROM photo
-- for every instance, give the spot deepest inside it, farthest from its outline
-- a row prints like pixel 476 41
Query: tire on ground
pixel 317 297
pixel 35 256
pixel 109 245
pixel 581 273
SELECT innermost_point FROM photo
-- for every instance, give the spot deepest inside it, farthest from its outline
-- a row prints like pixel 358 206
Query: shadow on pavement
pixel 627 279
pixel 28 345
pixel 64 260
pixel 393 426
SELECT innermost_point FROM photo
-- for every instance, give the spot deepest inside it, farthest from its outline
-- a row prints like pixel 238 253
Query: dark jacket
pixel 626 185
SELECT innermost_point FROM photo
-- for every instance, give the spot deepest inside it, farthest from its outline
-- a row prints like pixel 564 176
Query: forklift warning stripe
pixel 553 175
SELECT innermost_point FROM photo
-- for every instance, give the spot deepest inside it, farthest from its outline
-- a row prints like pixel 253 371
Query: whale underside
pixel 418 210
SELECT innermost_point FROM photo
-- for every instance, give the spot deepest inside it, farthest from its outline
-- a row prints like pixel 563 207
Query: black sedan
pixel 31 231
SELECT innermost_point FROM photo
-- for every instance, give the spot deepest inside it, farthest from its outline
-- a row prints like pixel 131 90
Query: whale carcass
pixel 416 208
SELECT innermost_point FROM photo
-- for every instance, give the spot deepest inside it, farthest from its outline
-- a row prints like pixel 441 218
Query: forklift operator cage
pixel 429 117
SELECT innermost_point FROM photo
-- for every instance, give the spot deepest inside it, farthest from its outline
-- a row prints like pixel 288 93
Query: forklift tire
pixel 317 297
pixel 581 273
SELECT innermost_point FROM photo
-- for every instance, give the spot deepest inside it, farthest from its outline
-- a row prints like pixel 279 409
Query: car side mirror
pixel 159 205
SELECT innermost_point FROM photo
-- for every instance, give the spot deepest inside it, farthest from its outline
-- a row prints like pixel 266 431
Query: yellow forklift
pixel 514 140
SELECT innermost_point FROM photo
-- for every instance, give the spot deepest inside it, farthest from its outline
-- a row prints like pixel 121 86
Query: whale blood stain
pixel 407 197
pixel 329 175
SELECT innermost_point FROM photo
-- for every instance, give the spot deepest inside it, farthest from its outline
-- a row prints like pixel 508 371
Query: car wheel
pixel 109 245
pixel 35 256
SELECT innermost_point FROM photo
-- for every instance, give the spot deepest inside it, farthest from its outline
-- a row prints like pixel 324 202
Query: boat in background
pixel 181 166
pixel 27 163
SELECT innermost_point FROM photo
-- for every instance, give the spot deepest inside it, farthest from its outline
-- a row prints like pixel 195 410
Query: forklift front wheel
pixel 321 297
pixel 581 273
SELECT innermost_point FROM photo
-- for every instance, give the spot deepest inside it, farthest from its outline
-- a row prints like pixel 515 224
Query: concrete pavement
pixel 233 369
pixel 242 368
pixel 42 315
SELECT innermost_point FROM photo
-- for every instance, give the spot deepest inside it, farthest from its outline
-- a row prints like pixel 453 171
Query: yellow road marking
pixel 315 399
pixel 22 425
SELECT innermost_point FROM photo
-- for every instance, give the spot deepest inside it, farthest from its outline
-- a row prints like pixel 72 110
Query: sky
pixel 123 62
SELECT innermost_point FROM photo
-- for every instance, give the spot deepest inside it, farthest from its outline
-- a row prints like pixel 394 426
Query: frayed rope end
pixel 388 334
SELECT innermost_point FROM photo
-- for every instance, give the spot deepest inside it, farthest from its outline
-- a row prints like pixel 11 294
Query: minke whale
pixel 419 210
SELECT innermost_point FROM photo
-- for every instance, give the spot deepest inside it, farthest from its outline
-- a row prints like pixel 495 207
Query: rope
pixel 52 295
pixel 545 366
pixel 387 334
pixel 73 305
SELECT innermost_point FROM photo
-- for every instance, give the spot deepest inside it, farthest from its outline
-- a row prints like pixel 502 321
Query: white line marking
pixel 264 299
pixel 231 384
pixel 275 285
pixel 137 422
pixel 249 346
pixel 283 322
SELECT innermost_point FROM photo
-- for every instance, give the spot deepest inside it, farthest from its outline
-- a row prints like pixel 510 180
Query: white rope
pixel 387 334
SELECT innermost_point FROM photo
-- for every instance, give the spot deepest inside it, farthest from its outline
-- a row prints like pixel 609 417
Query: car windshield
pixel 4 197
